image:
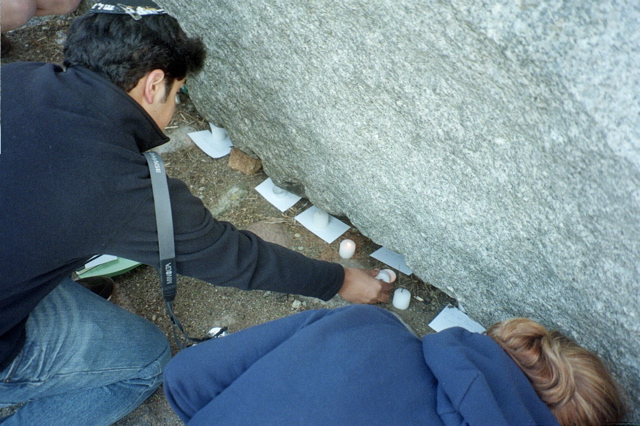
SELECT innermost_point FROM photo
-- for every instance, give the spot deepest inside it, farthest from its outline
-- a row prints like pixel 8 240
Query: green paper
pixel 110 269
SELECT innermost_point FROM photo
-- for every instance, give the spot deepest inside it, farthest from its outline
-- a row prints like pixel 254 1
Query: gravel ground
pixel 231 195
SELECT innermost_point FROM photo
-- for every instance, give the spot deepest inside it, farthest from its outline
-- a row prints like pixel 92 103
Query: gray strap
pixel 166 245
pixel 164 223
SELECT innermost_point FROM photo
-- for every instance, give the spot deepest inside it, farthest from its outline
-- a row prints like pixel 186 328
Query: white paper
pixel 282 201
pixel 213 147
pixel 391 258
pixel 451 316
pixel 329 233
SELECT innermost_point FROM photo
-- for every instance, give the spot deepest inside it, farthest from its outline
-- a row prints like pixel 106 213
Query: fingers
pixel 359 287
pixel 383 293
pixel 386 277
pixel 384 297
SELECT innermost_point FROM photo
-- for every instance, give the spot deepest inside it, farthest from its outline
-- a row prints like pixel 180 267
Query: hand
pixel 360 286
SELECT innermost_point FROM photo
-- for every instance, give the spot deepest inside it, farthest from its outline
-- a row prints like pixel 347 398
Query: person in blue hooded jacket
pixel 362 365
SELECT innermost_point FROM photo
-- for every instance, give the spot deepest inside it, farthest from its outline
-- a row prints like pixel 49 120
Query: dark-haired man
pixel 74 183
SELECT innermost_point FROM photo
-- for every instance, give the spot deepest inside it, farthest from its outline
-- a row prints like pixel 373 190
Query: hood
pixel 479 384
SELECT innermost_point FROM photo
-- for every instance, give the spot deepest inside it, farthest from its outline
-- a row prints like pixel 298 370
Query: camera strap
pixel 166 244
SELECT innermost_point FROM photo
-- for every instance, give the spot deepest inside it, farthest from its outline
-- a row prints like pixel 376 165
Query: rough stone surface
pixel 495 144
pixel 180 139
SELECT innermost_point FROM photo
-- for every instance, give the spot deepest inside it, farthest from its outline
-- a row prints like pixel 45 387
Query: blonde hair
pixel 573 382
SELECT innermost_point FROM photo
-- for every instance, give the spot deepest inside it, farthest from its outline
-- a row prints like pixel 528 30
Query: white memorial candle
pixel 384 276
pixel 392 275
pixel 277 191
pixel 320 219
pixel 218 133
pixel 401 298
pixel 347 249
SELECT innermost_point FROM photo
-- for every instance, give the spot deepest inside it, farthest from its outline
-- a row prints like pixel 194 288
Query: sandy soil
pixel 231 195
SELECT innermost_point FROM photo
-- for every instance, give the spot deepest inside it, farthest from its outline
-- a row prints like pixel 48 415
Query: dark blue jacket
pixel 352 365
pixel 73 184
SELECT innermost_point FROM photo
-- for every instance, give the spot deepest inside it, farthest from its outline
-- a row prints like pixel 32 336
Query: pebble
pixel 296 304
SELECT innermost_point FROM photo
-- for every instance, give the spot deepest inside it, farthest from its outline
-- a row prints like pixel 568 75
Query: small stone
pixel 296 304
pixel 242 162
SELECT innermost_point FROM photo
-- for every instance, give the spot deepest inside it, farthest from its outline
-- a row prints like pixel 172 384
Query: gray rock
pixel 229 200
pixel 495 145
pixel 180 139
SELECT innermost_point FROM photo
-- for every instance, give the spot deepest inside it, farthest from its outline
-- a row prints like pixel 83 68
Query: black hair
pixel 124 50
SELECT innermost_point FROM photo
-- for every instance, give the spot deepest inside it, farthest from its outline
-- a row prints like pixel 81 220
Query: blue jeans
pixel 85 361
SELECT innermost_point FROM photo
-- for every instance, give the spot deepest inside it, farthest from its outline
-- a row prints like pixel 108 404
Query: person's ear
pixel 154 87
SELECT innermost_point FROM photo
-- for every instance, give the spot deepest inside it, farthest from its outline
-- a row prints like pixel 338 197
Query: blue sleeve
pixel 198 374
pixel 318 367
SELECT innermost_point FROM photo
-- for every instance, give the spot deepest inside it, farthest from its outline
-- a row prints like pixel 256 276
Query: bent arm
pixel 198 374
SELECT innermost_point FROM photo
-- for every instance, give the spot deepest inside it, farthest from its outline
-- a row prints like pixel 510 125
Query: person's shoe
pixel 102 286
pixel 6 45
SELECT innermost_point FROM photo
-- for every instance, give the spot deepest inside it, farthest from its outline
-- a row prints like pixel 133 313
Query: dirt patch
pixel 229 193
